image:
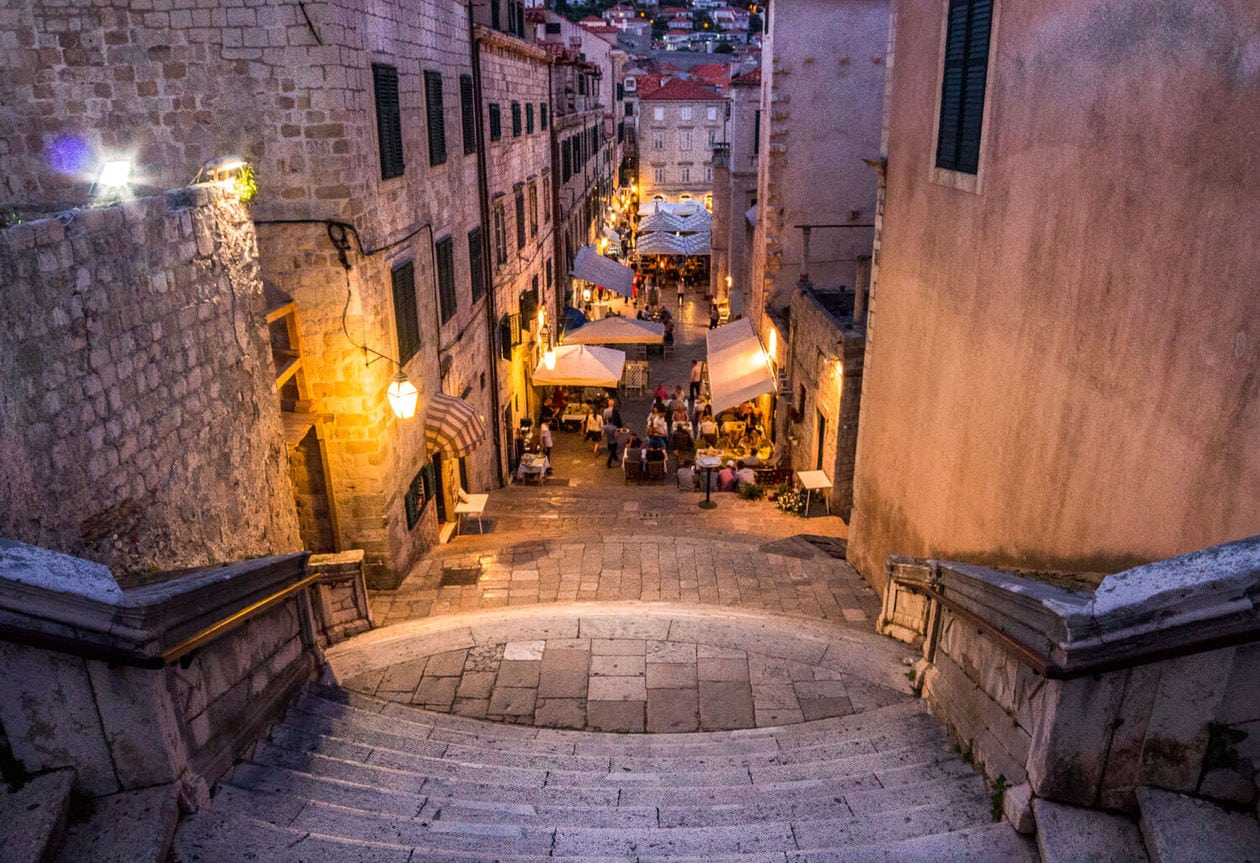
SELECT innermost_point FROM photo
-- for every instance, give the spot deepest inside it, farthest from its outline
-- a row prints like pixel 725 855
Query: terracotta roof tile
pixel 680 90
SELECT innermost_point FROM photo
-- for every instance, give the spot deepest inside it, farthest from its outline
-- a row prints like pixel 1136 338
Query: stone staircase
pixel 349 778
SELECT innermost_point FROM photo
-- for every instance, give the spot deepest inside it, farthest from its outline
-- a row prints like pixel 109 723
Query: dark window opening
pixel 529 118
pixel 437 119
pixel 496 122
pixel 963 84
pixel 475 274
pixel 542 116
pixel 516 119
pixel 445 250
pixel 388 120
pixel 520 219
pixel 468 113
pixel 406 319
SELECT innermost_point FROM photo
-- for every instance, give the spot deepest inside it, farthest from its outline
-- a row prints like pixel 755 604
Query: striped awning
pixel 451 426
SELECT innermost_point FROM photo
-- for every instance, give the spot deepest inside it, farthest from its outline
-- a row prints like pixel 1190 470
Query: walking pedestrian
pixel 697 373
pixel 682 292
pixel 544 432
pixel 610 440
pixel 713 316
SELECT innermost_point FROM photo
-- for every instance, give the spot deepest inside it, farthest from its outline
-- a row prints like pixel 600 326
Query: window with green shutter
pixel 406 320
pixel 963 84
pixel 388 120
pixel 445 254
pixel 475 273
pixel 468 113
pixel 496 122
pixel 520 218
pixel 529 118
pixel 542 116
pixel 516 119
pixel 437 119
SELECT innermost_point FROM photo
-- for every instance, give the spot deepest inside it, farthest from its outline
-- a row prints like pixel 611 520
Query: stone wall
pixel 1086 696
pixel 1068 340
pixel 138 418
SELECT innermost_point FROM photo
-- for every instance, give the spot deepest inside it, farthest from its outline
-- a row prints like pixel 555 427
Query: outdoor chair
pixel 656 471
pixel 634 471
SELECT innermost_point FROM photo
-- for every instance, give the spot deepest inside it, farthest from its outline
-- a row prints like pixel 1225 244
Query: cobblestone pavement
pixel 586 536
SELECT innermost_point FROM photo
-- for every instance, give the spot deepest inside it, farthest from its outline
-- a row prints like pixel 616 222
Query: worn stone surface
pixel 128 827
pixel 1180 829
pixel 1067 834
pixel 31 818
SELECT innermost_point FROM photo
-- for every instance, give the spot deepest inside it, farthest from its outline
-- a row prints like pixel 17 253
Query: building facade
pixel 1061 363
pixel 679 124
pixel 735 195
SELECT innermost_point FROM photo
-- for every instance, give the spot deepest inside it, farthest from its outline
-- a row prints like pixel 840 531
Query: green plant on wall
pixel 246 183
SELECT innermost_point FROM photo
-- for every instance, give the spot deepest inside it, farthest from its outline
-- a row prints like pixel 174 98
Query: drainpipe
pixel 483 206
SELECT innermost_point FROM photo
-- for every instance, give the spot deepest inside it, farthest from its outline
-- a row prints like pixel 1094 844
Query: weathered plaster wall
pixel 138 420
pixel 1070 353
pixel 821 107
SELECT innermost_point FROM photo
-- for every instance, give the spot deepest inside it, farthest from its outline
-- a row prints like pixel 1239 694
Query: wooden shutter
pixel 516 119
pixel 520 219
pixel 437 119
pixel 542 116
pixel 476 275
pixel 496 122
pixel 445 250
pixel 406 320
pixel 529 118
pixel 468 113
pixel 388 120
pixel 963 85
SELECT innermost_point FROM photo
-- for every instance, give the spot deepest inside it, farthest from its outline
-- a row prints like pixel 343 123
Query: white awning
pixel 591 266
pixel 617 331
pixel 739 369
pixel 663 243
pixel 582 366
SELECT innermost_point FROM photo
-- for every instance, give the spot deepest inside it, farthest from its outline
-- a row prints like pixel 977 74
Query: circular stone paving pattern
pixel 627 667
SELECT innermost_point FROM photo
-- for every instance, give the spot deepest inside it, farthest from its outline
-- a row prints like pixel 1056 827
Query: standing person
pixel 544 433
pixel 610 439
pixel 611 414
pixel 593 428
pixel 682 292
pixel 697 373
pixel 713 316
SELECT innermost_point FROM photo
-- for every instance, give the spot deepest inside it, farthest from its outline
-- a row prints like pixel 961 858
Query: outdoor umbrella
pixel 581 366
pixel 617 331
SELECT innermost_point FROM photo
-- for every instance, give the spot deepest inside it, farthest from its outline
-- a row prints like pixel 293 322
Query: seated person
pixel 744 475
pixel 633 450
pixel 655 453
pixel 726 478
pixel 709 429
pixel 656 425
pixel 680 439
pixel 678 412
pixel 686 477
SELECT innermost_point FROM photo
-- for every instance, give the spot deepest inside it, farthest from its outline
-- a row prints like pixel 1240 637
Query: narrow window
pixel 686 112
pixel 388 120
pixel 658 114
pixel 516 119
pixel 496 17
pixel 684 139
pixel 533 209
pixel 962 87
pixel 406 322
pixel 659 175
pixel 500 234
pixel 756 132
pixel 712 112
pixel 629 109
pixel 468 113
pixel 496 122
pixel 475 275
pixel 658 140
pixel 520 219
pixel 529 118
pixel 446 277
pixel 686 174
pixel 437 119
pixel 542 116
pixel 547 198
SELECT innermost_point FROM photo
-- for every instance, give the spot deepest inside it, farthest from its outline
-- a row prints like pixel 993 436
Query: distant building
pixel 679 125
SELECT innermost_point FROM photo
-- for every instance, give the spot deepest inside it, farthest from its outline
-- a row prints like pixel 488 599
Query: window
pixel 686 174
pixel 684 139
pixel 547 198
pixel 621 92
pixel 529 118
pixel 542 116
pixel 658 140
pixel 533 209
pixel 566 161
pixel 520 218
pixel 516 119
pixel 658 174
pixel 686 112
pixel 388 120
pixel 475 275
pixel 548 269
pixel 712 114
pixel 406 321
pixel 708 173
pixel 658 114
pixel 496 17
pixel 553 28
pixel 712 137
pixel 500 234
pixel 629 109
pixel 962 86
pixel 756 132
pixel 437 120
pixel 468 113
pixel 496 122
pixel 445 250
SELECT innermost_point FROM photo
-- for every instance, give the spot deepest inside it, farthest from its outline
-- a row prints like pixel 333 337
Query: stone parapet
pixel 1147 680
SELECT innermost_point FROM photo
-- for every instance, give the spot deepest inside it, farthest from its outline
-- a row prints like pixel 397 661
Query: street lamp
pixel 403 396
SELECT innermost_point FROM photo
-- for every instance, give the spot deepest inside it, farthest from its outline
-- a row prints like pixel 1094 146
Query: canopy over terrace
pixel 663 243
pixel 581 366
pixel 617 331
pixel 675 233
pixel 591 266
pixel 739 368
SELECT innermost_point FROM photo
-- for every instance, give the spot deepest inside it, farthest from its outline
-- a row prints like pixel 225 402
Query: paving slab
pixel 620 716
pixel 672 710
pixel 1181 829
pixel 1071 834
pixel 725 704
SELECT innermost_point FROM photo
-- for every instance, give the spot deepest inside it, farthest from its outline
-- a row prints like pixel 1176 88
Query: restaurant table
pixel 573 413
pixel 812 480
pixel 708 464
pixel 533 465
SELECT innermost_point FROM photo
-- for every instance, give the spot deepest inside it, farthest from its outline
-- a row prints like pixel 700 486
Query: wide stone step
pixel 127 827
pixel 991 843
pixel 32 817
pixel 1181 829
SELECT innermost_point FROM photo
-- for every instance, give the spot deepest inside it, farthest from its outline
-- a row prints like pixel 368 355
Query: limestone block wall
pixel 138 419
